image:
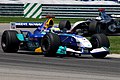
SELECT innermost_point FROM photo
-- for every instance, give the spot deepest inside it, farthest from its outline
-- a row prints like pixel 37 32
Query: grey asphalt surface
pixel 34 66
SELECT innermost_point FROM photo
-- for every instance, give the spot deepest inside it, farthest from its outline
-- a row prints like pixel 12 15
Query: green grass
pixel 18 19
pixel 114 44
pixel 114 40
pixel 22 19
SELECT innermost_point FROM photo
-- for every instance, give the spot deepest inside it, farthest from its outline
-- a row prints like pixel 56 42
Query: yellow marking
pixel 38 50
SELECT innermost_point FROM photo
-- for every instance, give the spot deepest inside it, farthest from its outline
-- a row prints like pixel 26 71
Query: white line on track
pixel 114 55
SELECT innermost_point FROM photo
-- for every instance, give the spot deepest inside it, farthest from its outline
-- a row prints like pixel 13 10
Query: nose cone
pixel 85 43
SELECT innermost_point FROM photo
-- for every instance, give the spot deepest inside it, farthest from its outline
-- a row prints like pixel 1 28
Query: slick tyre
pixel 94 27
pixel 64 25
pixel 50 44
pixel 9 41
pixel 97 41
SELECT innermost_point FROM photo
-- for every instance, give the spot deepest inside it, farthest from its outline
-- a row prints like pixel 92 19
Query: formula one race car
pixel 51 40
pixel 104 23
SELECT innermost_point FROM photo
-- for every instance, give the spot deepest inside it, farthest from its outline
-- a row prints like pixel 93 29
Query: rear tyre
pixel 50 44
pixel 9 41
pixel 64 25
pixel 102 28
pixel 97 41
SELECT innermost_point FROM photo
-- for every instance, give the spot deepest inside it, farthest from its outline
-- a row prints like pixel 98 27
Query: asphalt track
pixel 33 66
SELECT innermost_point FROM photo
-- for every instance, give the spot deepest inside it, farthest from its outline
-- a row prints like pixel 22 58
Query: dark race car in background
pixel 104 23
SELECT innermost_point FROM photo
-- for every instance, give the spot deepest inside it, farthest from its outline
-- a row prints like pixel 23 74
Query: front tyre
pixel 50 44
pixel 98 41
pixel 9 41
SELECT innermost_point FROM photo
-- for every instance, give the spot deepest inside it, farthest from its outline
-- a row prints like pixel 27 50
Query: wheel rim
pixel 45 44
pixel 3 42
pixel 3 45
pixel 95 43
pixel 112 27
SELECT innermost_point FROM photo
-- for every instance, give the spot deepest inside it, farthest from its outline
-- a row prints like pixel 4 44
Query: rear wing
pixel 14 25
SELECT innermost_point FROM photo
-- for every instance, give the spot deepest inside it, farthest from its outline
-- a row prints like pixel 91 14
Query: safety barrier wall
pixel 36 10
pixel 11 9
pixel 77 11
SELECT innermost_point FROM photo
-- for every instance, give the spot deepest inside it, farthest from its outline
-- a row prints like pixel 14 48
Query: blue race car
pixel 51 40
